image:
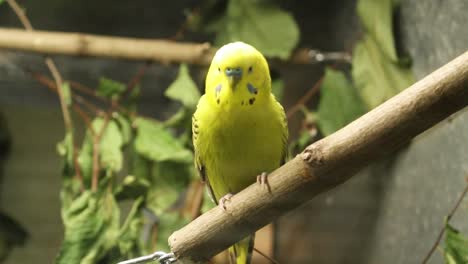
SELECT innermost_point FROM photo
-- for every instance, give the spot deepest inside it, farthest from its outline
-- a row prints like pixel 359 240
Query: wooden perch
pixel 165 51
pixel 328 162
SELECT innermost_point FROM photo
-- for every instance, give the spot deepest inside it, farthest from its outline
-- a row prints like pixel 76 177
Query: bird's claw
pixel 223 200
pixel 262 179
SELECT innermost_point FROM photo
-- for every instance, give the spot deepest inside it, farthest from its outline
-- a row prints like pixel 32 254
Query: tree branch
pixel 165 51
pixel 328 162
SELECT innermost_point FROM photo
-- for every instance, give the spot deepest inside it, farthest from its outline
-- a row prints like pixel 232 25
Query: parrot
pixel 239 129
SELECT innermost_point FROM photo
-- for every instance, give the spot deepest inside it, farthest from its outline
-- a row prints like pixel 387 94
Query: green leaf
pixel 339 102
pixel 132 188
pixel 125 127
pixel 153 141
pixel 129 242
pixel 184 89
pixel 1 1
pixel 179 117
pixel 277 87
pixel 85 158
pixel 261 24
pixel 130 102
pixel 110 149
pixel 110 145
pixel 110 88
pixel 65 149
pixel 375 76
pixel 169 180
pixel 376 17
pixel 456 246
pixel 91 228
pixel 66 92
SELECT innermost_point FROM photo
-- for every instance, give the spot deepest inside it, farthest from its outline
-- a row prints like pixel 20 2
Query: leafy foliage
pixel 110 88
pixel 376 77
pixel 339 102
pixel 91 224
pixel 183 89
pixel 376 18
pixel 377 72
pixel 456 246
pixel 156 143
pixel 261 24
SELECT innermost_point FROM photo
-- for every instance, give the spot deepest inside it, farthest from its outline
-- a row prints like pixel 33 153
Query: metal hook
pixel 160 256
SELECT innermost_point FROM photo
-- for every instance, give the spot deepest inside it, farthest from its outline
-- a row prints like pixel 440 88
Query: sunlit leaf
pixel 155 142
pixel 110 145
pixel 339 102
pixel 91 228
pixel 65 149
pixel 456 246
pixel 261 24
pixel 125 127
pixel 376 18
pixel 110 88
pixel 177 118
pixel 184 89
pixel 375 76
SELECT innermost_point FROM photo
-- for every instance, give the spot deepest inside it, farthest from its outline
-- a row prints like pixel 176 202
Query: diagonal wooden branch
pixel 328 162
pixel 164 51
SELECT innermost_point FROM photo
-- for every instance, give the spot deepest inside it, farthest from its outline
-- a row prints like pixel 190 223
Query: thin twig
pixel 442 230
pixel 20 14
pixel 84 89
pixel 303 100
pixel 58 80
pixel 86 119
pixel 266 256
pixel 136 79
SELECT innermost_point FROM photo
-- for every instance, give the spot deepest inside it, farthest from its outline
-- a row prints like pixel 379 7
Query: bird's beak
pixel 234 75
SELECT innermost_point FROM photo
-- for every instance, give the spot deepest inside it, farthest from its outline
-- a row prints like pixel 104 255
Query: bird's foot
pixel 223 200
pixel 262 179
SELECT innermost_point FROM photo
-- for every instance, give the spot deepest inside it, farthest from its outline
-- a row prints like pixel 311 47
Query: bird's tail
pixel 241 252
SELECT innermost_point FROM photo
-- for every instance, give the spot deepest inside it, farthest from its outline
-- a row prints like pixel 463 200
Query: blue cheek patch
pixel 252 89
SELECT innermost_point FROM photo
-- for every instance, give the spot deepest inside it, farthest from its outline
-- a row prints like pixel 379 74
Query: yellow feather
pixel 239 129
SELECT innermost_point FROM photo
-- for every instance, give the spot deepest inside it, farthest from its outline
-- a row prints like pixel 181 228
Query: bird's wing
pixel 285 134
pixel 199 165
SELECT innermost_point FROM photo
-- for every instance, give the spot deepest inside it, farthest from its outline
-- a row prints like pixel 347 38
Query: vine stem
pixel 59 82
pixel 449 216
pixel 306 97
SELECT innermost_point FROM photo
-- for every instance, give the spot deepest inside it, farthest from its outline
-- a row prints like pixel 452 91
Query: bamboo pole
pixel 328 162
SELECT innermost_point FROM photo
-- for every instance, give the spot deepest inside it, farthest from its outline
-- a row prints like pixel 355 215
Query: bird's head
pixel 238 74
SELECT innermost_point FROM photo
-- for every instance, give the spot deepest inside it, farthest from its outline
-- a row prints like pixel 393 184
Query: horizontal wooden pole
pixel 164 51
pixel 328 162
pixel 79 44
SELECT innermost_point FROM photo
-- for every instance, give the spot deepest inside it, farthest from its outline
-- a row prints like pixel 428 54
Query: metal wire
pixel 160 256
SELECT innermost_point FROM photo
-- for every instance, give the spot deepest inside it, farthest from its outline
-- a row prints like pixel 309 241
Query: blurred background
pixel 390 213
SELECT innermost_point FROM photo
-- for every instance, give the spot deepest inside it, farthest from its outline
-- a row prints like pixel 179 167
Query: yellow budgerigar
pixel 239 128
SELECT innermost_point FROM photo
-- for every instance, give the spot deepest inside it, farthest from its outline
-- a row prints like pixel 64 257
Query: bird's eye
pixel 250 69
pixel 219 69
